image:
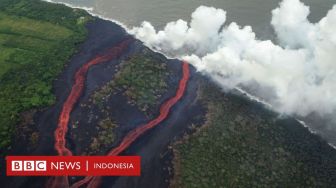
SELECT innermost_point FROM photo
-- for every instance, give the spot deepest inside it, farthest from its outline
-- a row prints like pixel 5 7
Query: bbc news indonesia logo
pixel 29 165
pixel 73 165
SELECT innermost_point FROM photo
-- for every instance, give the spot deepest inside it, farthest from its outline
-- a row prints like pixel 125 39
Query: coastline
pixel 296 139
pixel 241 91
pixel 89 10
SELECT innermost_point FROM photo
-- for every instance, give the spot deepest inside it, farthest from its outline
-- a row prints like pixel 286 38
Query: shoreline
pixel 90 11
pixel 241 91
pixel 269 107
pixel 300 140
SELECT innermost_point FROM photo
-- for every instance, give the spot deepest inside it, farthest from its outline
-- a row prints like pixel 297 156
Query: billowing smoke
pixel 296 76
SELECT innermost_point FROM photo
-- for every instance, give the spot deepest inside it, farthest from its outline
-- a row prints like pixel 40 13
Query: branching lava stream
pixel 75 93
pixel 94 182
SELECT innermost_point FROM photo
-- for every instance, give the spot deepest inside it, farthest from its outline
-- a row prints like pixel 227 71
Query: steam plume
pixel 296 76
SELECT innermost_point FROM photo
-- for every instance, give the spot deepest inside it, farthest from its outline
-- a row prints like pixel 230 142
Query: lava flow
pixel 94 182
pixel 76 91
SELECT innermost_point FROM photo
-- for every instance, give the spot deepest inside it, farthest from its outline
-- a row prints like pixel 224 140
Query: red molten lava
pixel 76 92
pixel 136 133
pixel 73 97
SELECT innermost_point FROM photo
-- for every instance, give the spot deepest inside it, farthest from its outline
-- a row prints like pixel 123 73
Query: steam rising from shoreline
pixel 298 76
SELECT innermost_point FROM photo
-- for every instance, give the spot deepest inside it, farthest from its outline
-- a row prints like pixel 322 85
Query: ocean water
pixel 256 13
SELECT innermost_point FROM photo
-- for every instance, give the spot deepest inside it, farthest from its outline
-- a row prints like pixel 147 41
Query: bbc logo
pixel 29 165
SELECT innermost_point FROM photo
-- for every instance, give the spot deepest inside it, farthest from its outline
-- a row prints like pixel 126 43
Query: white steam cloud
pixel 297 76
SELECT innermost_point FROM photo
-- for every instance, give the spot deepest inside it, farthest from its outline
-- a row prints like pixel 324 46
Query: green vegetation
pixel 106 129
pixel 142 79
pixel 242 147
pixel 36 40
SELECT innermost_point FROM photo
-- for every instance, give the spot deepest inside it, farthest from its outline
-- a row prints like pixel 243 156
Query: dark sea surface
pixel 256 13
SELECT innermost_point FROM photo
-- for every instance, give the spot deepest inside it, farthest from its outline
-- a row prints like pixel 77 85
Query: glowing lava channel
pixel 94 182
pixel 76 92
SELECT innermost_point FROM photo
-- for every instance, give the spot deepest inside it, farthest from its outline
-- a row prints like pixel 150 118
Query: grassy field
pixel 36 40
pixel 239 146
pixel 23 39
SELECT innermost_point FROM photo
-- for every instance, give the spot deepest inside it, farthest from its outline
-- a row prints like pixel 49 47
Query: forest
pixel 36 41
